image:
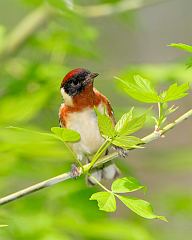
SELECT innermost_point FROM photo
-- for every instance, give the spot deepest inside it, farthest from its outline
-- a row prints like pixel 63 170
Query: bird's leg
pixel 121 151
pixel 75 171
pixel 87 159
pixel 106 152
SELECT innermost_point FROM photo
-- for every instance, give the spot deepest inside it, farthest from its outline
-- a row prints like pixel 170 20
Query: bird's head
pixel 75 83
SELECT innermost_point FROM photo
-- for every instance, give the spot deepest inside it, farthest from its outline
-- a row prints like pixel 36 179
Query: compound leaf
pixel 106 201
pixel 140 207
pixel 65 134
pixel 126 184
pixel 139 89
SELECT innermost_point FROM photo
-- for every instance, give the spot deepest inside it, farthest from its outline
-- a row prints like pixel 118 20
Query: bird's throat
pixel 85 98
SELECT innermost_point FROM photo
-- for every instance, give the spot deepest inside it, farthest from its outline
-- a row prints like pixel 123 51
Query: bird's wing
pixel 107 104
pixel 62 115
pixel 110 111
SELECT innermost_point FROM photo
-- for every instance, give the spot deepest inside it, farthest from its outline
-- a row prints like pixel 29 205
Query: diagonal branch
pixel 28 25
pixel 43 14
pixel 65 176
pixel 106 9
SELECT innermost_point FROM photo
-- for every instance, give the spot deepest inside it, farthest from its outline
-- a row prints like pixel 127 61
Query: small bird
pixel 77 113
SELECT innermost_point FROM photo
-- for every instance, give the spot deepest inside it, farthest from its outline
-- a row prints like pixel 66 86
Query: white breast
pixel 85 122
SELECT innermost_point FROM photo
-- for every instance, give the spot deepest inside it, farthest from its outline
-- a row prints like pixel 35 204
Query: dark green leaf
pixel 140 89
pixel 106 201
pixel 126 184
pixel 181 46
pixel 105 124
pixel 174 92
pixel 65 134
pixel 127 142
pixel 140 207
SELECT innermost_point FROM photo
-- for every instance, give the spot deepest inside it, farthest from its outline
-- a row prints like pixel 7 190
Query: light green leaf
pixel 3 226
pixel 126 184
pixel 140 207
pixel 181 46
pixel 2 36
pixel 106 201
pixel 127 142
pixel 133 125
pixel 65 134
pixel 59 4
pixel 44 135
pixel 189 62
pixel 172 109
pixel 17 107
pixel 174 92
pixel 105 124
pixel 124 121
pixel 139 89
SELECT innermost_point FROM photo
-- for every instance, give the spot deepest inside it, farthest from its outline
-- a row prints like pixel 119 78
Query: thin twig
pixel 102 10
pixel 65 176
pixel 28 25
pixel 41 15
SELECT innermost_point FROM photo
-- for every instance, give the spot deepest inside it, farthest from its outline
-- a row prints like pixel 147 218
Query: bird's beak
pixel 91 77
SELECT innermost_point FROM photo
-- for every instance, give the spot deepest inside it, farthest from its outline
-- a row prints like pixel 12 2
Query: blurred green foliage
pixel 29 97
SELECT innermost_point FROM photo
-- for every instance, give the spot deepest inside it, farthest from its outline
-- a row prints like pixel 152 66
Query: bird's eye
pixel 75 82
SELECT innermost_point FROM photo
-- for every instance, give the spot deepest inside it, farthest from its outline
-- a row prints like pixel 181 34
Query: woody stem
pixel 65 176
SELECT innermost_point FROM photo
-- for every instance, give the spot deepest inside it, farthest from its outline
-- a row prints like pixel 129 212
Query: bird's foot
pixel 75 171
pixel 122 152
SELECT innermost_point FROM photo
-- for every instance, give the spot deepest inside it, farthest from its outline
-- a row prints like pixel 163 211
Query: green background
pixel 117 45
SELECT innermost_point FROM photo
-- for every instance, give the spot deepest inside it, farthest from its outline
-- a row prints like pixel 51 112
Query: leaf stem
pixel 28 25
pixel 101 10
pixel 101 185
pixel 98 154
pixel 159 108
pixel 161 116
pixel 74 156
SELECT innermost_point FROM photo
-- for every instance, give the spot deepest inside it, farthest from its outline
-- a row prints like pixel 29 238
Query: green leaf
pixel 126 184
pixel 106 201
pixel 140 207
pixel 174 92
pixel 170 110
pixel 44 135
pixel 189 62
pixel 181 46
pixel 133 125
pixel 59 4
pixel 105 124
pixel 65 134
pixel 3 226
pixel 2 35
pixel 127 142
pixel 140 89
pixel 124 121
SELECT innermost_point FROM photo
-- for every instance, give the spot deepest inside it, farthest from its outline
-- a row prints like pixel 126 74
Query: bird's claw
pixel 122 152
pixel 75 172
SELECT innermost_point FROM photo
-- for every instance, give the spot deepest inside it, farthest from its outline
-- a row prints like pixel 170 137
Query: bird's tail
pixel 108 171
